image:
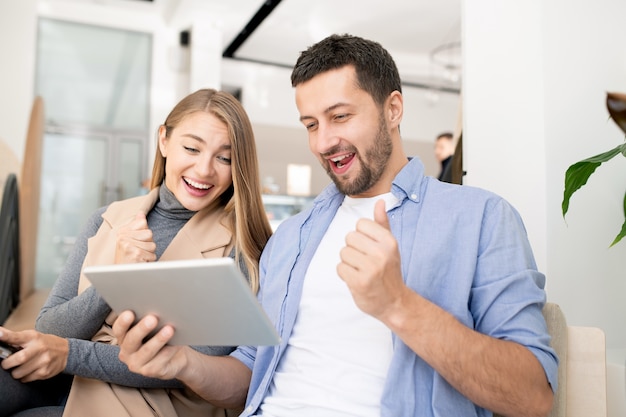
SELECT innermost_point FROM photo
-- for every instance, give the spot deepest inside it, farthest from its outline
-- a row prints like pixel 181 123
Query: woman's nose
pixel 205 166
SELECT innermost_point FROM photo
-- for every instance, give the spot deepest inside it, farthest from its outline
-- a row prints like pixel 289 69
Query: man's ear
pixel 394 108
pixel 162 141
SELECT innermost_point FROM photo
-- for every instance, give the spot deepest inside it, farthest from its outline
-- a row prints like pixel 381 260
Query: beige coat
pixel 204 236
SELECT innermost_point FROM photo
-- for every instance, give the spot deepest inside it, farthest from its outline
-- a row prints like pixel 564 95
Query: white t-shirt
pixel 338 356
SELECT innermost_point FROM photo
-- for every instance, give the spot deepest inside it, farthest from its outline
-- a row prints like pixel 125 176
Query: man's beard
pixel 372 167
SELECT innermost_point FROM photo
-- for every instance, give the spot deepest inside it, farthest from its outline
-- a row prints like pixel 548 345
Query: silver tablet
pixel 207 301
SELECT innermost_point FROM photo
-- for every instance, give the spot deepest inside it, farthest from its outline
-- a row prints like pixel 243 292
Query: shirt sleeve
pixel 507 295
pixel 245 354
pixel 100 361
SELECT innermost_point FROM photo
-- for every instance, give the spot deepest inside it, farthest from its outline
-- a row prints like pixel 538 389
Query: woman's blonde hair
pixel 242 201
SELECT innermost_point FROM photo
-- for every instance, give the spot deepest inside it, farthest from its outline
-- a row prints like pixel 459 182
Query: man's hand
pixel 41 356
pixel 499 375
pixel 134 242
pixel 370 265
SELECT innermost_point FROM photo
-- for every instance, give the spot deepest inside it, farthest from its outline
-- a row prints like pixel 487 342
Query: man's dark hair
pixel 447 135
pixel 375 69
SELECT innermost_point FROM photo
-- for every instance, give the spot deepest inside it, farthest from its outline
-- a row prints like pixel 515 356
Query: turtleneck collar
pixel 168 206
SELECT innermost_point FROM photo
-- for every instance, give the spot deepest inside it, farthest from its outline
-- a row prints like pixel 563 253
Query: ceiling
pixel 412 30
pixel 423 36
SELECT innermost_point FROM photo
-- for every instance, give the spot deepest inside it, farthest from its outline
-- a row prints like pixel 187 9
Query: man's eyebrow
pixel 326 111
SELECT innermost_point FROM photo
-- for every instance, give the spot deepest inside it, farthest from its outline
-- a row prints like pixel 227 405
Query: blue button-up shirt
pixel 463 248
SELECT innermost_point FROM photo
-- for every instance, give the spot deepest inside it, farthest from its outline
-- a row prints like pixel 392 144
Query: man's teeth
pixel 337 160
pixel 197 184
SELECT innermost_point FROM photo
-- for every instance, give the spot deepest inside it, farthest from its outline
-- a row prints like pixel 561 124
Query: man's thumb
pixel 380 214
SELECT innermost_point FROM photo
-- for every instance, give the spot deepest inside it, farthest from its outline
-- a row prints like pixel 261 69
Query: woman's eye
pixel 189 149
pixel 224 159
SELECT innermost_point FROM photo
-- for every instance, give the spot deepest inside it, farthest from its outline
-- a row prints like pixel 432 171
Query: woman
pixel 205 201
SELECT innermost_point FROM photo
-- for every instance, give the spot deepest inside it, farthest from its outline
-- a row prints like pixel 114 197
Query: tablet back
pixel 207 301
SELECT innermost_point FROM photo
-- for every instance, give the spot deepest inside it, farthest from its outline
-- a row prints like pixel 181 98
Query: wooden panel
pixel 29 197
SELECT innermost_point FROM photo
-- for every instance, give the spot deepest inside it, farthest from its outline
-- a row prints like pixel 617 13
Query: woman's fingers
pixel 137 349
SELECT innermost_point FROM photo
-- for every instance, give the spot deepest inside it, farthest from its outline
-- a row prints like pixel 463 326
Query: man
pixel 444 150
pixel 394 295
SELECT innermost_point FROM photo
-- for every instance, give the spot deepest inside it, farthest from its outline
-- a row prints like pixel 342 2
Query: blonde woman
pixel 205 201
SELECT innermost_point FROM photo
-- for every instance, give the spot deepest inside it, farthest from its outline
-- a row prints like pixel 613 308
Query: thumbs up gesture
pixel 370 264
pixel 134 242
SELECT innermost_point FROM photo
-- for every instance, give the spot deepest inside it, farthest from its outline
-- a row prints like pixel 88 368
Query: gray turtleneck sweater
pixel 79 317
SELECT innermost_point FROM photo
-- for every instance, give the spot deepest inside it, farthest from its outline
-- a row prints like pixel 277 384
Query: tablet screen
pixel 207 301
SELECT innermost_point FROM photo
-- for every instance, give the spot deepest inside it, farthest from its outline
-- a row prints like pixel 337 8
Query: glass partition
pixel 93 76
pixel 72 185
pixel 95 83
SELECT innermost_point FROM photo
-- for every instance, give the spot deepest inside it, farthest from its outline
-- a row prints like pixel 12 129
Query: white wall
pixel 587 278
pixel 534 91
pixel 17 70
pixel 503 108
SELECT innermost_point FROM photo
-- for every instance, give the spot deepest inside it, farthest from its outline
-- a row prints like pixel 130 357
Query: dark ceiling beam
pixel 250 27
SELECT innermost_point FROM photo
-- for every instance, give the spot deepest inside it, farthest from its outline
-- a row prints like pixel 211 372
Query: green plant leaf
pixel 622 233
pixel 577 174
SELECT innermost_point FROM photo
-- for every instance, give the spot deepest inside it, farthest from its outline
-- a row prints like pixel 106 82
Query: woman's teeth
pixel 197 184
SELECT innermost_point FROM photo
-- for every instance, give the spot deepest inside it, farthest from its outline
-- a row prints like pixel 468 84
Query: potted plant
pixel 577 174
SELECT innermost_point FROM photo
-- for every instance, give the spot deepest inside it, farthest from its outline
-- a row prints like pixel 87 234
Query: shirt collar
pixel 407 184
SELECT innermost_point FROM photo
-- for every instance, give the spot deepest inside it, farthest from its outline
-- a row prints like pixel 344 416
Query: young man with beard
pixel 376 317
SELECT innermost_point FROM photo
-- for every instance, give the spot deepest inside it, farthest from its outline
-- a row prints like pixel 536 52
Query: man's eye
pixel 310 126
